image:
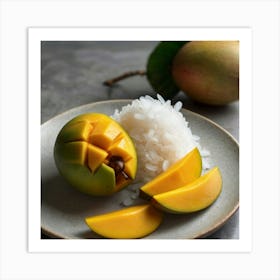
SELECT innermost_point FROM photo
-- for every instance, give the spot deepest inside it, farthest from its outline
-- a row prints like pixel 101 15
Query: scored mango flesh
pixel 88 150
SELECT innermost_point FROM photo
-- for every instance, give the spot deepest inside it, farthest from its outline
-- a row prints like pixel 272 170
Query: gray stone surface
pixel 72 74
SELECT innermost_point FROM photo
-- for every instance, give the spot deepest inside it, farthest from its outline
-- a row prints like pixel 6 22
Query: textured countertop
pixel 72 74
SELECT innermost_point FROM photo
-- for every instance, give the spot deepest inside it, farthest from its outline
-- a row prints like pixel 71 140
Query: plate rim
pixel 199 235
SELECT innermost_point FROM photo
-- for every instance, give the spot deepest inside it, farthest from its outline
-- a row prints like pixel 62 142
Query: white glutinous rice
pixel 160 132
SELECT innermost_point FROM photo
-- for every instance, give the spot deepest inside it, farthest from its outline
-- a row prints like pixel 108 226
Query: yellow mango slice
pixel 96 157
pixel 192 197
pixel 131 222
pixel 93 150
pixel 182 172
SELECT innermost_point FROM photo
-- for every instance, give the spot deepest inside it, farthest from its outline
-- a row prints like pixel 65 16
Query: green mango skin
pixel 100 183
pixel 208 71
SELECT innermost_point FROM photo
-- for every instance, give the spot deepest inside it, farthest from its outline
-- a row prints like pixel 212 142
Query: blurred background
pixel 72 74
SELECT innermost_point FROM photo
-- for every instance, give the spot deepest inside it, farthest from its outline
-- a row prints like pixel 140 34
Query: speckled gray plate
pixel 63 209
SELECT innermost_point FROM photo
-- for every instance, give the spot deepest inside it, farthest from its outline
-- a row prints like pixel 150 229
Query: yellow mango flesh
pixel 83 149
pixel 96 157
pixel 121 148
pixel 182 172
pixel 131 222
pixel 104 133
pixel 192 197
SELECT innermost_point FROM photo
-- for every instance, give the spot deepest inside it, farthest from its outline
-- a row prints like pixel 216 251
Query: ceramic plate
pixel 63 209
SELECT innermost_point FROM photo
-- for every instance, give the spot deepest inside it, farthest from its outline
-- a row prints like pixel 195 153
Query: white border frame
pixel 262 16
pixel 36 35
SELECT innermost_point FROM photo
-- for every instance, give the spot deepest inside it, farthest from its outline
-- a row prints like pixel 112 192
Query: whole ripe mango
pixel 95 154
pixel 208 71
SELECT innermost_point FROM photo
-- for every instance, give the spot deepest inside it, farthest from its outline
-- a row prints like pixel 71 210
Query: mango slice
pixel 195 196
pixel 86 150
pixel 179 174
pixel 131 222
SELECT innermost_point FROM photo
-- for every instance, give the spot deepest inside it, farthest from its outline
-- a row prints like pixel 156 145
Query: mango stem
pixel 125 75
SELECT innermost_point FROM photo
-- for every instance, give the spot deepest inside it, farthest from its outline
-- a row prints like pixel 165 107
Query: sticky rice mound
pixel 160 132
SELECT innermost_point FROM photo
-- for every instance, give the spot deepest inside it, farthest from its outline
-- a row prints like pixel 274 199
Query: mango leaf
pixel 159 67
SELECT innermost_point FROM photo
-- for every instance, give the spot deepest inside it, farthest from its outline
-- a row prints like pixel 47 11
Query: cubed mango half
pixel 84 149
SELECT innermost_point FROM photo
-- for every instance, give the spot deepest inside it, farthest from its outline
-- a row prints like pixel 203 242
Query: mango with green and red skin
pixel 208 71
pixel 84 151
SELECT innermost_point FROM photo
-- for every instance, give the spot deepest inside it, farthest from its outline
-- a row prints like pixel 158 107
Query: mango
pixel 208 71
pixel 185 170
pixel 131 222
pixel 95 154
pixel 192 197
